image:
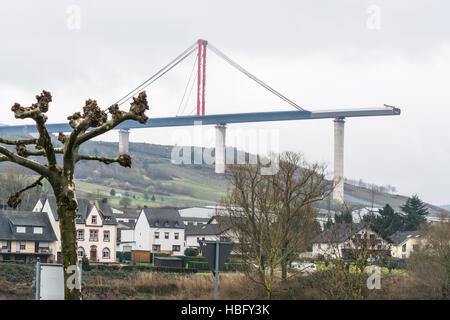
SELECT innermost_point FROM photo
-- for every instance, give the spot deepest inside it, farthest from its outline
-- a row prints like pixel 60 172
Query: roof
pixel 401 236
pixel 339 232
pixel 84 207
pixel 163 218
pixel 9 220
pixel 204 229
pixel 195 219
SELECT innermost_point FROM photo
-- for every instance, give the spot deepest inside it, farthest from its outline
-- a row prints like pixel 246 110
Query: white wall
pixel 141 233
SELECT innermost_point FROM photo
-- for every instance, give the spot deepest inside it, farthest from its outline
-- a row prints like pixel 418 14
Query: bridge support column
pixel 124 139
pixel 220 148
pixel 338 191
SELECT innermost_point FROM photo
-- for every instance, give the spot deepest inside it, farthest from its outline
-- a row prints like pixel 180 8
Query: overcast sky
pixel 320 54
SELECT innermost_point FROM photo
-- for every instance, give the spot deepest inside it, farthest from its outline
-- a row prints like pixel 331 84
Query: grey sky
pixel 321 55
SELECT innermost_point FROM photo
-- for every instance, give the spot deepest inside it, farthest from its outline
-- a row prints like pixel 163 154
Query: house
pixel 125 237
pixel 160 230
pixel 340 240
pixel 195 233
pixel 26 235
pixel 404 243
pixel 96 229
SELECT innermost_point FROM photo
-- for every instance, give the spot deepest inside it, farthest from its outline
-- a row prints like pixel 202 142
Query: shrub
pixel 190 252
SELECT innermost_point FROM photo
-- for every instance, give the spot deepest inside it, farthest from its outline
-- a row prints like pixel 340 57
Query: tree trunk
pixel 66 213
pixel 284 266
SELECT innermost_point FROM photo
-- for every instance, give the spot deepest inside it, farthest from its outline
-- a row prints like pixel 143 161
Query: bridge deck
pixel 220 118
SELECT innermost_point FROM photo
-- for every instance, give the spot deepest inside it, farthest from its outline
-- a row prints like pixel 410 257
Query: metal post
pixel 216 271
pixel 37 281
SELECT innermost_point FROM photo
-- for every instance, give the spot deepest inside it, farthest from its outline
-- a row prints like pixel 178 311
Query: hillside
pixel 154 181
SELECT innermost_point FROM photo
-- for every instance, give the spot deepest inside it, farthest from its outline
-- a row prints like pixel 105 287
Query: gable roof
pixel 84 208
pixel 163 218
pixel 204 229
pixel 339 232
pixel 9 220
pixel 401 236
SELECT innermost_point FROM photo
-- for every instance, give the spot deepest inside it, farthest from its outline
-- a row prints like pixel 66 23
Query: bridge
pixel 221 120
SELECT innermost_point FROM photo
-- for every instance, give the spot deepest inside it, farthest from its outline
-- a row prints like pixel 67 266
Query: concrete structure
pixel 220 147
pixel 124 140
pixel 338 192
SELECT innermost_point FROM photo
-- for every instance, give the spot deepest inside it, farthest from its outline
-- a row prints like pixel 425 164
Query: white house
pixel 196 233
pixel 404 243
pixel 96 229
pixel 160 230
pixel 341 239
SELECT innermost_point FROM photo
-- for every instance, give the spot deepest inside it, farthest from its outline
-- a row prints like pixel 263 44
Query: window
pixel 156 247
pixel 80 252
pixel 22 245
pixel 166 224
pixel 106 253
pixel 78 217
pixel 156 223
pixel 43 245
pixel 176 248
pixel 38 230
pixel 156 235
pixel 106 236
pixel 404 248
pixel 20 229
pixel 177 235
pixel 372 237
pixel 94 220
pixel 176 224
pixel 93 235
pixel 5 245
pixel 166 235
pixel 80 235
pixel 415 247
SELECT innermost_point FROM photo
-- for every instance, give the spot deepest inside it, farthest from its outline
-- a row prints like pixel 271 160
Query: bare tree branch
pixel 137 113
pixel 36 112
pixel 14 200
pixel 15 142
pixel 30 164
pixel 124 160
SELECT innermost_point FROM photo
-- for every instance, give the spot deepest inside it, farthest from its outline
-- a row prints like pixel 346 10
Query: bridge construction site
pixel 221 120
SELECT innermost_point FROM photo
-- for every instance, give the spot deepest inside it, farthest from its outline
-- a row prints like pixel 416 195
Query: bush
pixel 190 252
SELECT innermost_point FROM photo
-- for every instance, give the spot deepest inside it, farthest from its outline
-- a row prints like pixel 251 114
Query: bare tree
pixel 270 214
pixel 429 263
pixel 87 125
pixel 296 186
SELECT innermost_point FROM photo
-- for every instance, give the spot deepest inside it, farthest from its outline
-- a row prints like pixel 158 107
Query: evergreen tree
pixel 387 222
pixel 415 213
pixel 345 216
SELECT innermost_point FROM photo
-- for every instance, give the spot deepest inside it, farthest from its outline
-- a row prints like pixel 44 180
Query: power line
pixel 248 74
pixel 159 74
pixel 187 85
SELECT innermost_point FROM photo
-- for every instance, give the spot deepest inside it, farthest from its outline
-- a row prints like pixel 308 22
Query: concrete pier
pixel 220 148
pixel 338 192
pixel 124 139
